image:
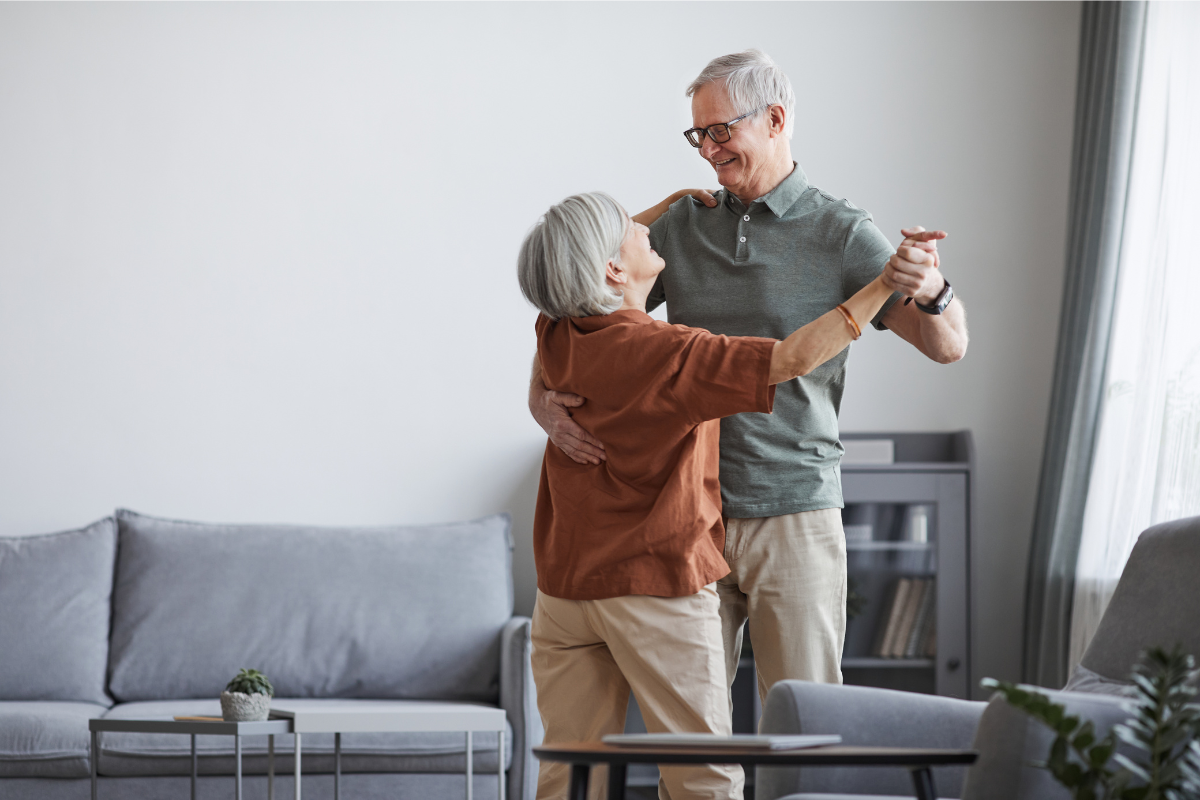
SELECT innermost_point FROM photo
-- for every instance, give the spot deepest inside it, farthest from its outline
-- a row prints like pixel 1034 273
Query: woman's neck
pixel 634 298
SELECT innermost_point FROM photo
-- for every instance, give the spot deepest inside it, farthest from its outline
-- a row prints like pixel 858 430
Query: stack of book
pixel 908 624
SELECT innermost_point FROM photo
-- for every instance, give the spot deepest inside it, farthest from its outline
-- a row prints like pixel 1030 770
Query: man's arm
pixel 549 410
pixel 941 337
pixel 654 212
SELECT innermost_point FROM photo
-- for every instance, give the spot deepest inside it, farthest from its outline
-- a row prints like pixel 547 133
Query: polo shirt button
pixel 743 238
pixel 747 218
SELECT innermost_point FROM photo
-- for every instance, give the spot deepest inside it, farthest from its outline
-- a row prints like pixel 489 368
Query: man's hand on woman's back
pixel 549 409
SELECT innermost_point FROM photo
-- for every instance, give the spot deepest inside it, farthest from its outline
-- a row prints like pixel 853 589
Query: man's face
pixel 741 162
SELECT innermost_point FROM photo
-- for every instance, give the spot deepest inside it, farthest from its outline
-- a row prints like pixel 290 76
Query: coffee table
pixel 194 727
pixel 582 755
pixel 390 716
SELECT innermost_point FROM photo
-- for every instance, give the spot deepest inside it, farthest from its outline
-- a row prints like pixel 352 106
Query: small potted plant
pixel 247 698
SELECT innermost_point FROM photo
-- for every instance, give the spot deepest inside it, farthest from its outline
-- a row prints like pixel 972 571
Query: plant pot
pixel 239 707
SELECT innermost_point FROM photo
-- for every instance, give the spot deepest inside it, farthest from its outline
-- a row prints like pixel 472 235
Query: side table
pixel 391 716
pixel 202 727
pixel 582 755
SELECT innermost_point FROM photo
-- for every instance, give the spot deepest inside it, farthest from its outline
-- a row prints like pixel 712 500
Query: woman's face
pixel 638 259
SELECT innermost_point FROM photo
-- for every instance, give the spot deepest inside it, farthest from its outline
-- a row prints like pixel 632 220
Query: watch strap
pixel 943 300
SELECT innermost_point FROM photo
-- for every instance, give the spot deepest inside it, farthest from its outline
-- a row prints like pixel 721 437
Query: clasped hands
pixel 913 268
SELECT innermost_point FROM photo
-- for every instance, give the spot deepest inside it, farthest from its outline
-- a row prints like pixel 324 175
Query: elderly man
pixel 769 253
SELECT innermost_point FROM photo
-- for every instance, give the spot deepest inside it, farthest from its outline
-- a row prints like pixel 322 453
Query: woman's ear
pixel 615 274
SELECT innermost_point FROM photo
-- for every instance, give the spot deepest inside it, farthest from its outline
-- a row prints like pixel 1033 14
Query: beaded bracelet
pixel 850 319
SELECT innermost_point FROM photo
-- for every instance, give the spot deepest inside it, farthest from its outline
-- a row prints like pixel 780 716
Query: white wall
pixel 256 261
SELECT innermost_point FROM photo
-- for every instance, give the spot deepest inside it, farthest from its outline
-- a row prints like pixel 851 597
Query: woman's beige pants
pixel 589 654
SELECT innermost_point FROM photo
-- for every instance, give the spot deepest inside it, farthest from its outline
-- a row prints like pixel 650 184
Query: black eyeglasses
pixel 719 132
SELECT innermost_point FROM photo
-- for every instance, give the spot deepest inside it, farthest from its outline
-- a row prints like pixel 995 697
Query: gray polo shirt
pixel 766 270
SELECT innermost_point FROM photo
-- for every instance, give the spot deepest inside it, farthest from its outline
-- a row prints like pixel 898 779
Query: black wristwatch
pixel 943 300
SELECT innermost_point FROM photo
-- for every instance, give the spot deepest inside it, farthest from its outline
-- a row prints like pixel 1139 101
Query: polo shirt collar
pixel 779 199
pixel 785 195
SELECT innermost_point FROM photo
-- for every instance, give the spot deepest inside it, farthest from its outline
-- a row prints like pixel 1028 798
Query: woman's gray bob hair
pixel 753 80
pixel 563 258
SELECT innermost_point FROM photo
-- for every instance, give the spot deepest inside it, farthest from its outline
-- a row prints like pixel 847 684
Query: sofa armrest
pixel 864 716
pixel 1010 741
pixel 518 698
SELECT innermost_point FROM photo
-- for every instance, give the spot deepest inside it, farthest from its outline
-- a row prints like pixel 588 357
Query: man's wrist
pixel 929 298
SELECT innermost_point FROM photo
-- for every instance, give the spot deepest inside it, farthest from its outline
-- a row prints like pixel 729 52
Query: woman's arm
pixel 654 212
pixel 827 335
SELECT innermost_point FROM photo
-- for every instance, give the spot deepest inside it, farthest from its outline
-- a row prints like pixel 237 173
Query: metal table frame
pixel 395 716
pixel 581 756
pixel 237 730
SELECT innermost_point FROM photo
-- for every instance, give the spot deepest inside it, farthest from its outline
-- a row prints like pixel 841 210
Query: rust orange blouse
pixel 648 520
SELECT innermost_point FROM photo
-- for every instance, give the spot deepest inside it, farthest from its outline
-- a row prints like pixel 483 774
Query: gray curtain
pixel 1110 51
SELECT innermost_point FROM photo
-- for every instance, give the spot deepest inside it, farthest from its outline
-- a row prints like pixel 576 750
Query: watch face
pixel 945 298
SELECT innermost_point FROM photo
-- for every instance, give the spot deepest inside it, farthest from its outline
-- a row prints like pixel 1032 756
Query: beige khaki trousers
pixel 589 654
pixel 788 577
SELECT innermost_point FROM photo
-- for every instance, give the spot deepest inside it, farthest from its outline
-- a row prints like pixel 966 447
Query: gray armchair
pixel 1157 602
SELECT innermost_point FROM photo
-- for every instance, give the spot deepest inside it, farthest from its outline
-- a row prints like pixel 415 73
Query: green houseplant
pixel 247 698
pixel 1163 730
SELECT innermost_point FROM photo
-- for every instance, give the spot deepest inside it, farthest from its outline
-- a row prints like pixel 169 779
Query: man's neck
pixel 767 182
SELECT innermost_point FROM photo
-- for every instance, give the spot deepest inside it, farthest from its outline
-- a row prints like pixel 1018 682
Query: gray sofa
pixel 1156 603
pixel 137 616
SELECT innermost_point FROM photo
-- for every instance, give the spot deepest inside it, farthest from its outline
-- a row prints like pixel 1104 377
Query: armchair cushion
pixel 1153 604
pixel 864 716
pixel 1009 741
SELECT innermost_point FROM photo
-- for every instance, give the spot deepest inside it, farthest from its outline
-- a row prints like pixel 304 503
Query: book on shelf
pixel 907 626
pixel 929 636
pixel 903 587
pixel 914 648
pixel 908 617
pixel 881 625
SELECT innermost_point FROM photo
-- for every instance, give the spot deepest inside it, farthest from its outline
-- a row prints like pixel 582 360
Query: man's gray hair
pixel 562 261
pixel 752 80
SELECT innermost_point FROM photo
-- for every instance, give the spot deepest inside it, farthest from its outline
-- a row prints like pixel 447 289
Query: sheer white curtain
pixel 1146 467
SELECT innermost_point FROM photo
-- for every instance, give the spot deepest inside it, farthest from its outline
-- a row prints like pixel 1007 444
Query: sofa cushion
pixel 170 754
pixel 55 605
pixel 389 613
pixel 46 739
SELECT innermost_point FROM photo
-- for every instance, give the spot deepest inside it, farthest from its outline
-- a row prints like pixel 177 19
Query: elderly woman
pixel 627 551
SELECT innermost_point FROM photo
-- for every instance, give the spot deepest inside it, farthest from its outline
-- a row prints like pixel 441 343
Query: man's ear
pixel 777 119
pixel 614 274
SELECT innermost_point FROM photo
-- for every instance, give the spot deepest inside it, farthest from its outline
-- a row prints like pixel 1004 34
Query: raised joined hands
pixel 913 268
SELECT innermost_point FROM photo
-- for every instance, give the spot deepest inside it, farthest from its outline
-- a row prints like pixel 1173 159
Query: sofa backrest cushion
pixel 401 612
pixel 55 605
